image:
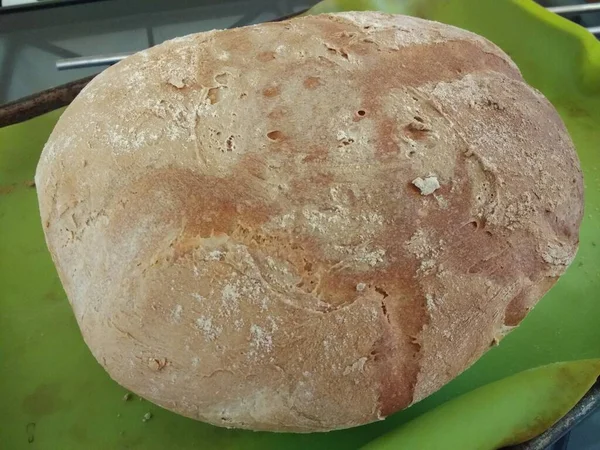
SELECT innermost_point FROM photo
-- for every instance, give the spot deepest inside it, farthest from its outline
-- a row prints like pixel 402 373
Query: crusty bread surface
pixel 306 225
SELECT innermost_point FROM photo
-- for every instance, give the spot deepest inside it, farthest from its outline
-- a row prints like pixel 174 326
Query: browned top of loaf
pixel 234 218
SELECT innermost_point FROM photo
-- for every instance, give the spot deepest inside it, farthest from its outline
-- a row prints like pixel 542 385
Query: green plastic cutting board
pixel 53 394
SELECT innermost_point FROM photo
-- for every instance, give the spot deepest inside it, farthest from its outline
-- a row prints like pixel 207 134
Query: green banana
pixel 502 413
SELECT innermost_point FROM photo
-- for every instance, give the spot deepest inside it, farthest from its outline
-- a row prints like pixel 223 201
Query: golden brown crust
pixel 307 225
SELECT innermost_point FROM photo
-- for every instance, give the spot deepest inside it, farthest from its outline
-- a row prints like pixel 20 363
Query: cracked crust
pixel 234 218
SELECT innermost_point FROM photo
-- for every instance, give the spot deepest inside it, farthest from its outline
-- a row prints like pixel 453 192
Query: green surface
pixel 506 412
pixel 49 378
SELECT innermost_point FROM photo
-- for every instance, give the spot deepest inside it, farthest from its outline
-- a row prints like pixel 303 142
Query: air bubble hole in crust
pixel 275 135
pixel 222 78
pixel 230 144
pixel 214 94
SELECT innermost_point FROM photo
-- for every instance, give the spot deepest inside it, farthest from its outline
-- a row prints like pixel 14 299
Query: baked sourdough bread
pixel 306 225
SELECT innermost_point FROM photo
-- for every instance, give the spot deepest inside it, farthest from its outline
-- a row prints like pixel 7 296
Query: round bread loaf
pixel 306 225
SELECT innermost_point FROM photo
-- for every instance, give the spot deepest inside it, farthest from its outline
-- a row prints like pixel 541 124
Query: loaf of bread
pixel 306 225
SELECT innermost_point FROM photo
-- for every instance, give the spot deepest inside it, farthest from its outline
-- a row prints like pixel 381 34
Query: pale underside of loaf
pixel 238 221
